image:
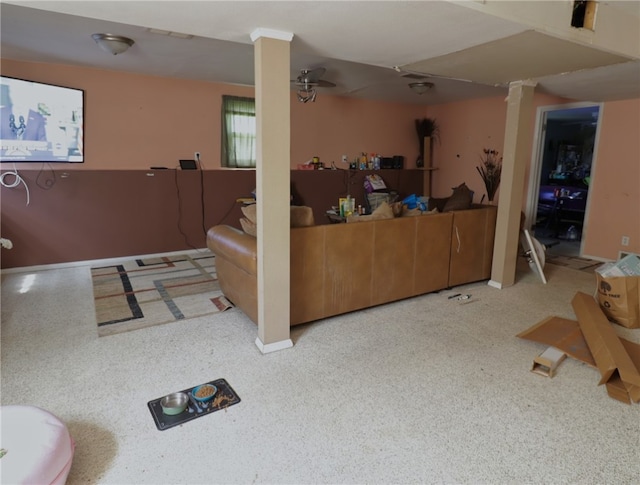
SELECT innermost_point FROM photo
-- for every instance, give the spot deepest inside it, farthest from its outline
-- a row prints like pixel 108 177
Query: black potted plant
pixel 426 128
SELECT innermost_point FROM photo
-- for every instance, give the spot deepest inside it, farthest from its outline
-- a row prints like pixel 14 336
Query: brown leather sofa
pixel 339 268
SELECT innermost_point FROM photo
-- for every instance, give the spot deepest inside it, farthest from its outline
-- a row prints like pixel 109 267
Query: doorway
pixel 561 176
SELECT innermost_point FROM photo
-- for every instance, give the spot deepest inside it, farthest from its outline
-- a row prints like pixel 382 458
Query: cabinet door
pixel 393 259
pixel 348 269
pixel 433 246
pixel 307 274
pixel 472 239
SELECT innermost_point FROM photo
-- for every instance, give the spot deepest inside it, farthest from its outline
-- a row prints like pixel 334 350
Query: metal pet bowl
pixel 204 393
pixel 174 403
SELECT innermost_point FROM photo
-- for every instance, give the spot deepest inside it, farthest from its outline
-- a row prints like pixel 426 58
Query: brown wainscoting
pixel 83 215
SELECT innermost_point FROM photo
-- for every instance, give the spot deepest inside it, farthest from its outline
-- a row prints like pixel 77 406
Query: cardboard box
pixel 618 286
pixel 563 334
pixel 611 356
pixel 593 340
pixel 547 362
pixel 619 298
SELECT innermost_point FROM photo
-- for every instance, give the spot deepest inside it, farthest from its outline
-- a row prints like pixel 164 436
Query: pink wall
pixel 135 121
pixel 615 201
pixel 334 126
pixel 468 127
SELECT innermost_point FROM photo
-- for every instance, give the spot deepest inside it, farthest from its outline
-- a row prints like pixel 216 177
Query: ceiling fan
pixel 308 81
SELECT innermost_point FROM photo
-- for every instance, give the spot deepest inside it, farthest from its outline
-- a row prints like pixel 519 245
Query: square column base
pixel 273 347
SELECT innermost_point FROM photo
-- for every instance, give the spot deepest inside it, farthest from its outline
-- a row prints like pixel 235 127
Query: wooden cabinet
pixel 472 237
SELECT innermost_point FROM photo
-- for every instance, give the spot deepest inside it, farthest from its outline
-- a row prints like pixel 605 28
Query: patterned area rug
pixel 145 292
pixel 580 264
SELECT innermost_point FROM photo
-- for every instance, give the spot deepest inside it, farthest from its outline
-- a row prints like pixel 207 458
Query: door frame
pixel 535 168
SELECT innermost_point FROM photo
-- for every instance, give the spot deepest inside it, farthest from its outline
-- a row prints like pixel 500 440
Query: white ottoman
pixel 38 447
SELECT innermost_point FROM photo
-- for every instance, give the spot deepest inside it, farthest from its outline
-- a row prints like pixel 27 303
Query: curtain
pixel 238 132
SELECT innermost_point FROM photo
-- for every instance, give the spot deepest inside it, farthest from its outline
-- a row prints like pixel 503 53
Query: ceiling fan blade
pixel 314 75
pixel 325 84
pixel 311 78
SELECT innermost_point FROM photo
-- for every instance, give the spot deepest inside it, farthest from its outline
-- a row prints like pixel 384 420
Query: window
pixel 238 132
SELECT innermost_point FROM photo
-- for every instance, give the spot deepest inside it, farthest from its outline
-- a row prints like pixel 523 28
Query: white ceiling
pixel 358 43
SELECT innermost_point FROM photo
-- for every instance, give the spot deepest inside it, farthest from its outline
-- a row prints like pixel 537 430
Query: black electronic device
pixel 398 161
pixel 188 165
pixel 386 162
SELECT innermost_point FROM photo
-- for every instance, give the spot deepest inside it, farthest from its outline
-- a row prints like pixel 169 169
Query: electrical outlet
pixel 196 156
pixel 345 159
pixel 625 240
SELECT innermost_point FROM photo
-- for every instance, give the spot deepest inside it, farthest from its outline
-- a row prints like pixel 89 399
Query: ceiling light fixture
pixel 421 87
pixel 113 44
pixel 307 94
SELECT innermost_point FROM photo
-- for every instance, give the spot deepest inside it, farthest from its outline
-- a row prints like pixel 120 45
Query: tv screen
pixel 40 122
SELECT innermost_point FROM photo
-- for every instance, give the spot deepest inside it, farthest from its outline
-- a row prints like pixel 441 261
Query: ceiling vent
pixel 170 34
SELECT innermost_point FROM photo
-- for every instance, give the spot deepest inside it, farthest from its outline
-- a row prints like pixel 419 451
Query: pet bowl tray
pixel 224 398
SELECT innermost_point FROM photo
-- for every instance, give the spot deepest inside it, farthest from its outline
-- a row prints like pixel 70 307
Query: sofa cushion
pixel 384 211
pixel 249 212
pixel 248 227
pixel 460 199
pixel 301 216
pixel 397 208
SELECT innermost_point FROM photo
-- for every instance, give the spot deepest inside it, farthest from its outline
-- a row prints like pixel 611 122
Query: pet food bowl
pixel 204 393
pixel 174 403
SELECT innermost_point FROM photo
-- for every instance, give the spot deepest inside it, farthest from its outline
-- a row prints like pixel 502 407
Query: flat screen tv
pixel 40 122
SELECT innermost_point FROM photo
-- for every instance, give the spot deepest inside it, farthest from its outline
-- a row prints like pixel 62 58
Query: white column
pixel 515 154
pixel 273 174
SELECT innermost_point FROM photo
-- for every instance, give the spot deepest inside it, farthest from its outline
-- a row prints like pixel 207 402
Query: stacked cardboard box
pixel 593 340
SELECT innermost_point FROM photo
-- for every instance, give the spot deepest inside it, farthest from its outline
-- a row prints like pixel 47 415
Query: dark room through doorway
pixel 565 161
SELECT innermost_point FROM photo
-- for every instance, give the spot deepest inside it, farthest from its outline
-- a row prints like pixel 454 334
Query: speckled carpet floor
pixel 426 390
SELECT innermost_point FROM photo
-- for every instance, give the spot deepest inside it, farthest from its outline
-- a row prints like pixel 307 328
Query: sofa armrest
pixel 235 246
